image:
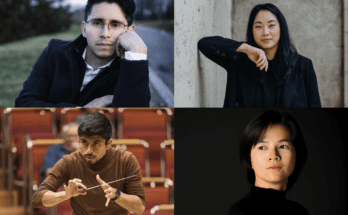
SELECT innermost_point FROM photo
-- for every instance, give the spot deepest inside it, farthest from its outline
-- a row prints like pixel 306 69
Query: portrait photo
pixel 260 54
pixel 223 154
pixel 80 53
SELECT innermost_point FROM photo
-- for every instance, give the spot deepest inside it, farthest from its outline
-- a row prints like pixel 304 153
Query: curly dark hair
pixel 96 124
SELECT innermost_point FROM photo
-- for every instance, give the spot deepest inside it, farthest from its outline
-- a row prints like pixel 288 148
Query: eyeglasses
pixel 113 27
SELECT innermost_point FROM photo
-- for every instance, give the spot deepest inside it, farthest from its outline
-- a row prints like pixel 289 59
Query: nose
pixel 274 155
pixel 105 31
pixel 266 31
pixel 89 150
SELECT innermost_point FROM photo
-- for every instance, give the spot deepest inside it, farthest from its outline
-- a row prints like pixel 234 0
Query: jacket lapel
pixel 248 91
pixel 288 93
pixel 73 52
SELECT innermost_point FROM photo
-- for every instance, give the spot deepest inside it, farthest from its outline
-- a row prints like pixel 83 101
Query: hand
pixel 130 41
pixel 258 56
pixel 101 102
pixel 72 189
pixel 108 190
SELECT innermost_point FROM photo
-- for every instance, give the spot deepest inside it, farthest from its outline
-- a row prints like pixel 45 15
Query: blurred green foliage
pixel 21 19
pixel 18 58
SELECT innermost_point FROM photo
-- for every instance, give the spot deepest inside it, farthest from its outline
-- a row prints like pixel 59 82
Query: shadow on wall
pixel 201 80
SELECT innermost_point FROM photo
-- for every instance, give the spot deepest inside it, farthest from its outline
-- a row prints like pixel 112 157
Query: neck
pixel 280 186
pixel 95 61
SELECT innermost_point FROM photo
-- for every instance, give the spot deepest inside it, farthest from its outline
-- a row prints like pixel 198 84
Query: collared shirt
pixel 90 74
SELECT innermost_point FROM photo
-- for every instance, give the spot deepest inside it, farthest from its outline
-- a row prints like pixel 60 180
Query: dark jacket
pixel 301 91
pixel 58 73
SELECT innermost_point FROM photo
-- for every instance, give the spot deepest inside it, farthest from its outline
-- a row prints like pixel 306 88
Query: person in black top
pixel 266 70
pixel 273 153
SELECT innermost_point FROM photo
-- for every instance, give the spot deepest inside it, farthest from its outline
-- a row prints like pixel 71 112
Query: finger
pixel 81 185
pixel 77 180
pixel 100 180
pixel 107 202
pixel 264 66
pixel 261 63
pixel 267 67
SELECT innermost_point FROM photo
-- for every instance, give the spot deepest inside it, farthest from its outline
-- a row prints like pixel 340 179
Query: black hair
pixel 96 124
pixel 256 130
pixel 286 57
pixel 127 6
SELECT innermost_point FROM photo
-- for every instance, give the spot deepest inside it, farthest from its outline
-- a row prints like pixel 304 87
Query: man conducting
pixel 96 163
pixel 105 66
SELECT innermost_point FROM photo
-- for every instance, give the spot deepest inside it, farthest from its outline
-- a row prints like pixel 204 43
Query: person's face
pixel 71 138
pixel 93 148
pixel 266 30
pixel 273 158
pixel 106 13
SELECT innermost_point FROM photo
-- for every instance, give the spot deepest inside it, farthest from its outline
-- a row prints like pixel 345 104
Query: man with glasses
pixel 105 66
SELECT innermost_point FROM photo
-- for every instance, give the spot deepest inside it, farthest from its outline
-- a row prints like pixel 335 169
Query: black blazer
pixel 57 76
pixel 300 92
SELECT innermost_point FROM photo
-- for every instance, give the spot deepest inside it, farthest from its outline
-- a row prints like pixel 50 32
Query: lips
pixel 275 167
pixel 266 40
pixel 89 157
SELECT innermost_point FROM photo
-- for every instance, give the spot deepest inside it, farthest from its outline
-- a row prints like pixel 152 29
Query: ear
pixel 131 28
pixel 83 28
pixel 108 144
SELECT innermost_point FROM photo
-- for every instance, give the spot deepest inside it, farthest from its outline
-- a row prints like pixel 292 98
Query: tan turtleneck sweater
pixel 115 164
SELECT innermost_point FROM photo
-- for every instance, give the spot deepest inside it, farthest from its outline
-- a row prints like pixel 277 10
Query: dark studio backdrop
pixel 209 177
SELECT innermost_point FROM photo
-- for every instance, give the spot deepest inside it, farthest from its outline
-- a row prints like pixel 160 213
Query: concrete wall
pixel 198 81
pixel 316 30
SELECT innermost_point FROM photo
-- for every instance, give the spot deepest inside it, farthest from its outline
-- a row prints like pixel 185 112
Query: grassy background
pixel 18 58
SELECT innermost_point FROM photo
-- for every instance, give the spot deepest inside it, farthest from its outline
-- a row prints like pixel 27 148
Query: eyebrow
pixel 102 20
pixel 258 22
pixel 280 141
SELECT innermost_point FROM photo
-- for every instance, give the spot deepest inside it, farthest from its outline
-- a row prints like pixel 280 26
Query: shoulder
pixel 305 61
pixel 71 158
pixel 296 207
pixel 54 149
pixel 121 155
pixel 56 44
pixel 242 206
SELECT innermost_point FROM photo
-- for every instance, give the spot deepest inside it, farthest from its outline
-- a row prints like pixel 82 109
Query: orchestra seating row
pixel 152 125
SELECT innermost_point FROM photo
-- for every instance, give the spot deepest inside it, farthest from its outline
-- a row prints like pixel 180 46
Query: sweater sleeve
pixel 36 88
pixel 219 49
pixel 132 88
pixel 134 185
pixel 312 88
pixel 56 178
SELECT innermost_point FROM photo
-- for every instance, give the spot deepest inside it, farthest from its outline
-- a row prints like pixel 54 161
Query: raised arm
pixel 47 195
pixel 132 89
pixel 222 51
pixel 51 198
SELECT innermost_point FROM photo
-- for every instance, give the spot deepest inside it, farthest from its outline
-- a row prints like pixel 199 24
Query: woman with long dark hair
pixel 273 153
pixel 266 70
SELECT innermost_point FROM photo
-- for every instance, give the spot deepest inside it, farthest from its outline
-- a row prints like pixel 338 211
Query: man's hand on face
pixel 130 41
pixel 101 102
pixel 108 190
pixel 72 189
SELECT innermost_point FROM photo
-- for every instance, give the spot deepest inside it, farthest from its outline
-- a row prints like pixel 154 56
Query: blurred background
pixel 26 27
pixel 34 139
